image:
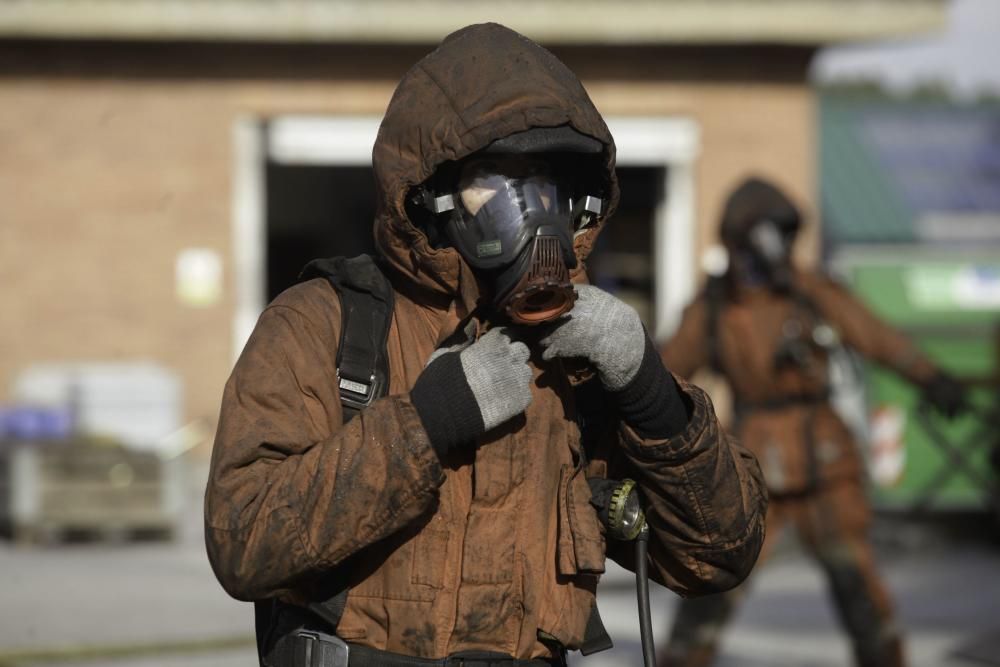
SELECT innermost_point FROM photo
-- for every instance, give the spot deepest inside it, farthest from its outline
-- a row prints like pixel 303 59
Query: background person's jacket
pixel 497 542
pixel 783 413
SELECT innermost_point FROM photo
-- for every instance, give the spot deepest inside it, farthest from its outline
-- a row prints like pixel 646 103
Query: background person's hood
pixel 483 83
pixel 751 202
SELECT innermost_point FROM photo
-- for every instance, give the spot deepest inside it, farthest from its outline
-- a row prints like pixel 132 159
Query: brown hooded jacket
pixel 494 544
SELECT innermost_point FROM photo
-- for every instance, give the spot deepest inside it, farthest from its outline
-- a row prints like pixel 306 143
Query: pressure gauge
pixel 625 516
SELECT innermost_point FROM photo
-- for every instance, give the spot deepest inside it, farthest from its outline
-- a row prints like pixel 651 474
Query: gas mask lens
pixel 481 186
pixel 500 206
pixel 770 245
pixel 768 242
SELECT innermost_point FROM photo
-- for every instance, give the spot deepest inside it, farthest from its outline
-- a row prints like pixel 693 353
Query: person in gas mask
pixel 453 515
pixel 769 329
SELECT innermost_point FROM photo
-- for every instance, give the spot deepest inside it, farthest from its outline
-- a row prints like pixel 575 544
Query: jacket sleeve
pixel 687 350
pixel 291 490
pixel 704 498
pixel 869 335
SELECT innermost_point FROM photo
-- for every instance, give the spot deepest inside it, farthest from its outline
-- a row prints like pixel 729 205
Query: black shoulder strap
pixel 595 636
pixel 366 300
pixel 593 418
pixel 805 302
pixel 715 292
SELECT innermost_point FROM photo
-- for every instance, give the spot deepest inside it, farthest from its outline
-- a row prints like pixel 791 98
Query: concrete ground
pixel 944 598
pixel 158 605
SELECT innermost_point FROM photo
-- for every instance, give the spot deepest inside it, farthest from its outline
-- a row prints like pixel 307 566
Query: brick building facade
pixel 119 150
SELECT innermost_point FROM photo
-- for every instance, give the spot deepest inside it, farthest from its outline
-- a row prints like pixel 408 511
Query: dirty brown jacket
pixel 783 414
pixel 495 543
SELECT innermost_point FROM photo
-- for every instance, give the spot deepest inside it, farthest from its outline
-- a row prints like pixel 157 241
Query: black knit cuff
pixel 652 403
pixel 446 404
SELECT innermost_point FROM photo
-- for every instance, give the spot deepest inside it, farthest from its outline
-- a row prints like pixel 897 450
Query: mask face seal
pixel 513 219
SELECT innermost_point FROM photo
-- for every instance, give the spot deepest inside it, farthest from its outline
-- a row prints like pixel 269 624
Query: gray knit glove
pixel 499 376
pixel 604 330
pixel 472 388
pixel 609 333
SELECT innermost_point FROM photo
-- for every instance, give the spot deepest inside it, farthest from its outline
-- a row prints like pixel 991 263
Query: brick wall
pixel 116 157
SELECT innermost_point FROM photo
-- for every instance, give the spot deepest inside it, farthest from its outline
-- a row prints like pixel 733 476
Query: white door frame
pixel 673 144
pixel 668 142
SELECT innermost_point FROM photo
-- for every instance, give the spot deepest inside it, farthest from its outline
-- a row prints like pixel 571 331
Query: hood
pixel 754 200
pixel 483 83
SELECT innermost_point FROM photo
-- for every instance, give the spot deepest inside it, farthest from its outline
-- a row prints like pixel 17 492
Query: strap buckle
pixel 357 394
pixel 318 649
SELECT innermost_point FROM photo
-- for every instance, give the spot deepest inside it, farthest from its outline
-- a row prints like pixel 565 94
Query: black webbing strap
pixel 362 656
pixel 715 292
pixel 306 648
pixel 263 617
pixel 331 610
pixel 592 417
pixel 595 636
pixel 366 301
pixel 780 403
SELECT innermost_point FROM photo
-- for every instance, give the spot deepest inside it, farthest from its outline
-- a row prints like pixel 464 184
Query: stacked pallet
pixel 76 489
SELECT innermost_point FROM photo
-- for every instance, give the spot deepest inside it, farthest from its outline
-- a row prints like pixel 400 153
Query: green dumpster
pixel 949 303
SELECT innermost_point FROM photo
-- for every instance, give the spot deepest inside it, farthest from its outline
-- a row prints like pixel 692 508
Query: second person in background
pixel 769 329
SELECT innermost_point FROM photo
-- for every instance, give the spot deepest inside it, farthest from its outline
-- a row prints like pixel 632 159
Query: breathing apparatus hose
pixel 642 595
pixel 620 509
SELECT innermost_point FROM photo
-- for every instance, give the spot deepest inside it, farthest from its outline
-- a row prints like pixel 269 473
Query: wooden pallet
pixel 81 492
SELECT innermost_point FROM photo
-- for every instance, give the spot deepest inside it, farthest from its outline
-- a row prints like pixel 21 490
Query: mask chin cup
pixel 544 292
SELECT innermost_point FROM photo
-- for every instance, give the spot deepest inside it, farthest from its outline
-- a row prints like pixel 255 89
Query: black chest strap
pixel 366 301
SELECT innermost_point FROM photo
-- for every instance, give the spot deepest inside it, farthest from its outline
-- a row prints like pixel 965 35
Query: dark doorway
pixel 315 211
pixel 622 262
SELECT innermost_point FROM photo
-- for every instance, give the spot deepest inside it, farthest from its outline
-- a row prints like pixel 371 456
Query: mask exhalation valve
pixel 545 292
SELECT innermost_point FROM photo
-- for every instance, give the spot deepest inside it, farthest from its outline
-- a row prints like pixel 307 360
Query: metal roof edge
pixel 427 21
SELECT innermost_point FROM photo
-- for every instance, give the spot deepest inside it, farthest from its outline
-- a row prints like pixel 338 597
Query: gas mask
pixel 769 249
pixel 513 219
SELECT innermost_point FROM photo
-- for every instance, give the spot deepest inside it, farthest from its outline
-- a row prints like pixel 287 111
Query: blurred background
pixel 167 167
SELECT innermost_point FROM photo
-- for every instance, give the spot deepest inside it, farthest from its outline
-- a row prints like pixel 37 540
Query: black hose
pixel 642 595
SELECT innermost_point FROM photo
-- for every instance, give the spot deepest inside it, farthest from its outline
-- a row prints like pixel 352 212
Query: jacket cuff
pixel 446 405
pixel 683 446
pixel 651 403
